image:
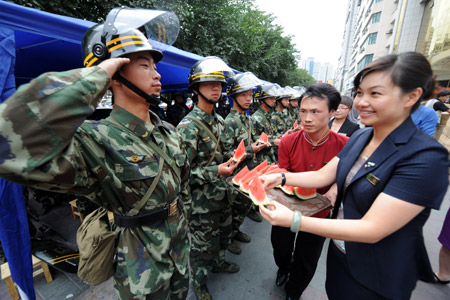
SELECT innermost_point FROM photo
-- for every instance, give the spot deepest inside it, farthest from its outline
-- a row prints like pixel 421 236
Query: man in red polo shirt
pixel 306 150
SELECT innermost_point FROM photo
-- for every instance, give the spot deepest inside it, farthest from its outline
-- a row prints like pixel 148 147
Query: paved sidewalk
pixel 255 280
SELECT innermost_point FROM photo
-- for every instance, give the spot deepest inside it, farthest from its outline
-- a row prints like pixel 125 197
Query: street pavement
pixel 255 280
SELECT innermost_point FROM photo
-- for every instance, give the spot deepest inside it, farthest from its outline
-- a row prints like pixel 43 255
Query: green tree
pixel 246 38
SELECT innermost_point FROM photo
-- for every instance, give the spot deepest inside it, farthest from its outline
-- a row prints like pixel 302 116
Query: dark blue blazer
pixel 411 166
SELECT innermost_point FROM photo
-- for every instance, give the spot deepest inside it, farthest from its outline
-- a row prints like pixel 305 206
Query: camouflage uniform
pixel 111 164
pixel 209 215
pixel 280 121
pixel 294 114
pixel 261 123
pixel 238 127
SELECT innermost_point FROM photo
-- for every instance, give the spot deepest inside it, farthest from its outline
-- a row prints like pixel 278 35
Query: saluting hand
pixel 112 65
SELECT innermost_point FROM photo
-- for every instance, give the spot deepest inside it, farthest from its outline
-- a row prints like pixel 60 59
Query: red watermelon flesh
pixel 263 139
pixel 295 124
pixel 248 175
pixel 287 189
pixel 261 166
pixel 246 185
pixel 239 175
pixel 304 193
pixel 239 153
pixel 264 170
pixel 257 192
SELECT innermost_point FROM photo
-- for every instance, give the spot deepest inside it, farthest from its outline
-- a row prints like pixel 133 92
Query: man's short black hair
pixel 326 92
pixel 443 93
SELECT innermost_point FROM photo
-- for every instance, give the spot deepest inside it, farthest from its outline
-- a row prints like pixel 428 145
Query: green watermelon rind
pixel 256 202
pixel 285 188
pixel 304 197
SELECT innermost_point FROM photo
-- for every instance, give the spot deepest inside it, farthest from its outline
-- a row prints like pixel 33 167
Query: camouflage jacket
pixel 204 178
pixel 261 123
pixel 294 114
pixel 55 149
pixel 280 121
pixel 239 127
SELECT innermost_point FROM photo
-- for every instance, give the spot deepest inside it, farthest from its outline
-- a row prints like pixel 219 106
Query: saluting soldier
pixel 210 212
pixel 238 127
pixel 48 144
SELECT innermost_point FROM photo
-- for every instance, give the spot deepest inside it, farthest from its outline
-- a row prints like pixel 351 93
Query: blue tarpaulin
pixel 14 234
pixel 48 42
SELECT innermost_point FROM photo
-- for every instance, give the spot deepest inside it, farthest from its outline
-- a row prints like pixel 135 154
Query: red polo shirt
pixel 297 154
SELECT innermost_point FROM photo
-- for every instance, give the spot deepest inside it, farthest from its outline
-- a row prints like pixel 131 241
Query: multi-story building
pixel 375 28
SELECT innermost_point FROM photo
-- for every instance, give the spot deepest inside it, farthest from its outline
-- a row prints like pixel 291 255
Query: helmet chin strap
pixel 151 99
pixel 264 101
pixel 236 102
pixel 210 101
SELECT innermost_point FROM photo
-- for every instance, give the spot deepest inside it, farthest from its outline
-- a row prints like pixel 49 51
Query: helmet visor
pixel 160 27
pixel 211 66
pixel 247 81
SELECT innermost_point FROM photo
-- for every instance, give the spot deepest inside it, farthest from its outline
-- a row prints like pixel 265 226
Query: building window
pixel 365 61
pixel 372 38
pixel 376 17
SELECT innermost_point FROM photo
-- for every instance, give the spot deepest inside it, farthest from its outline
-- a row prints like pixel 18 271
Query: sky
pixel 317 26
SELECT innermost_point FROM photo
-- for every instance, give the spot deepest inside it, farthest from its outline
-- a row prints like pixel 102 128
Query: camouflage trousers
pixel 211 235
pixel 240 206
pixel 175 288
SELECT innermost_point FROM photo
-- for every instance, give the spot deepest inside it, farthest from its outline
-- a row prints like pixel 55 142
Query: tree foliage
pixel 246 38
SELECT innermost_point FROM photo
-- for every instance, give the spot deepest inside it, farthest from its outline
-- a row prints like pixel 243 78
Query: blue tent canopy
pixel 48 42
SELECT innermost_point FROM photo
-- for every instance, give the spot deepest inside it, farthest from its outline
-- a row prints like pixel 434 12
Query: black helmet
pixel 210 68
pixel 241 83
pixel 127 31
pixel 266 91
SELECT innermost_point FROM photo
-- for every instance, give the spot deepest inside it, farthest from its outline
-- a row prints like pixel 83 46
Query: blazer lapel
pixel 388 147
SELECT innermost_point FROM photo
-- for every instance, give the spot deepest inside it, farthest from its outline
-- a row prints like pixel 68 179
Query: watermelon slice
pixel 246 185
pixel 277 170
pixel 239 175
pixel 248 176
pixel 239 153
pixel 257 192
pixel 261 166
pixel 287 189
pixel 304 193
pixel 295 124
pixel 263 139
pixel 264 170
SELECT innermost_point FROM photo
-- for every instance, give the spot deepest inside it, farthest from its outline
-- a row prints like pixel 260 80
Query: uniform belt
pixel 151 217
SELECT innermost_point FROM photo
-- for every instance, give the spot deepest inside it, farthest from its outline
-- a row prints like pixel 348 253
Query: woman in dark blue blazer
pixel 389 176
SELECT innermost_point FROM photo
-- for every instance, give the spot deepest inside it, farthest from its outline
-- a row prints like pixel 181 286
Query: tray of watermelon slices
pixel 247 182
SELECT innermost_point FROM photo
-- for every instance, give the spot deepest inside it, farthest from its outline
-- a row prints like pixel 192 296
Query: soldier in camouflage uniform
pixel 280 117
pixel 238 127
pixel 266 95
pixel 108 161
pixel 210 211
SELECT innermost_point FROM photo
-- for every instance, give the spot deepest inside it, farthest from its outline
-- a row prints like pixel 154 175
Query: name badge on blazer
pixel 372 179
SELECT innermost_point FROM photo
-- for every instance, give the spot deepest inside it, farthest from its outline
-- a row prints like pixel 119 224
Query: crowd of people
pixel 382 181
